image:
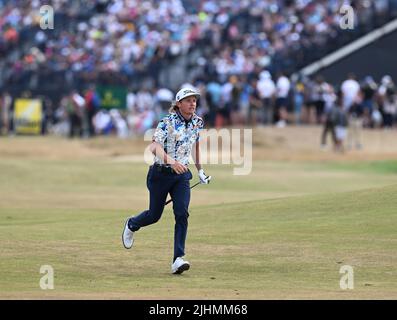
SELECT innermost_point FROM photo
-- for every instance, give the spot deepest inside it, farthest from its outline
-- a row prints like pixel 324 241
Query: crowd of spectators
pixel 244 53
pixel 261 101
pixel 123 40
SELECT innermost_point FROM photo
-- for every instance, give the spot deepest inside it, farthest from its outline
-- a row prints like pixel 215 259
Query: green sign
pixel 113 97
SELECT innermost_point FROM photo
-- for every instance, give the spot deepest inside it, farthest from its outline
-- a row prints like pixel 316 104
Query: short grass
pixel 282 232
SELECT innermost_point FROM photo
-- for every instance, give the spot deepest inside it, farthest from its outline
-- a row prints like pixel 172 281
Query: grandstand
pixel 122 42
pixel 149 45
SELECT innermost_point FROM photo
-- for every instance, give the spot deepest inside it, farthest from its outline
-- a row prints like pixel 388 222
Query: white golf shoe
pixel 127 237
pixel 179 266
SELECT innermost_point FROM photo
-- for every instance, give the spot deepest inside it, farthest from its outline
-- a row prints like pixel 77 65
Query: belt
pixel 163 168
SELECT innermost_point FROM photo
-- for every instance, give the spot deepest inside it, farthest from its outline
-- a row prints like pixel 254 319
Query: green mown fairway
pixel 282 232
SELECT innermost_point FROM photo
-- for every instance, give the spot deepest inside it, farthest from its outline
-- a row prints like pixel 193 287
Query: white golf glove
pixel 204 179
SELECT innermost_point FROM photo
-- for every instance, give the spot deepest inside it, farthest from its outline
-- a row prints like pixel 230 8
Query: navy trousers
pixel 160 184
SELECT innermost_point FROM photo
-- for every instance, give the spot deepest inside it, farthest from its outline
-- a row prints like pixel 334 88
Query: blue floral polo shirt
pixel 177 136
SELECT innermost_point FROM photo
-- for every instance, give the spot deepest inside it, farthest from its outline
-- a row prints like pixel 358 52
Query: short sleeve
pixel 200 125
pixel 161 132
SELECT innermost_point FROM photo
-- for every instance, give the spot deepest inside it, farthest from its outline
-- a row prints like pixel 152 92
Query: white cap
pixel 386 80
pixel 265 75
pixel 186 92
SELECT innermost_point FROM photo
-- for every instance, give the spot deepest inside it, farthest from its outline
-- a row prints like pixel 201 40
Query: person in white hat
pixel 176 135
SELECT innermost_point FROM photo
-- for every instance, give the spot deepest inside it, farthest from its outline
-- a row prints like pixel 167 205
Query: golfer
pixel 175 137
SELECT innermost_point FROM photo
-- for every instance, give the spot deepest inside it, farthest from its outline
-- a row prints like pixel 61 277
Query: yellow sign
pixel 27 116
pixel 108 100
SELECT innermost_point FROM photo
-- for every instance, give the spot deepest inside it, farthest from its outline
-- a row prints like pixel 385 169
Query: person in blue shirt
pixel 173 141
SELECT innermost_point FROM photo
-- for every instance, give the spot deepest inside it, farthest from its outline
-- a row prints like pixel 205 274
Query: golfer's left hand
pixel 204 179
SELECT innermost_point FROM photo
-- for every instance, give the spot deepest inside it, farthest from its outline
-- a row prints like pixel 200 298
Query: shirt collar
pixel 180 116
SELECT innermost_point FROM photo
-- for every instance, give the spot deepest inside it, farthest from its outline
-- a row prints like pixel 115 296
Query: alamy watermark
pixel 347 280
pixel 222 146
pixel 47 281
pixel 347 17
pixel 47 17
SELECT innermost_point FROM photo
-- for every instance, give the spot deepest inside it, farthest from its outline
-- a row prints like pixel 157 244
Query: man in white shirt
pixel 266 89
pixel 282 90
pixel 350 91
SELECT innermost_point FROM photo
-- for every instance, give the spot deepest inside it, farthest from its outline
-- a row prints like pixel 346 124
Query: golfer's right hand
pixel 179 168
